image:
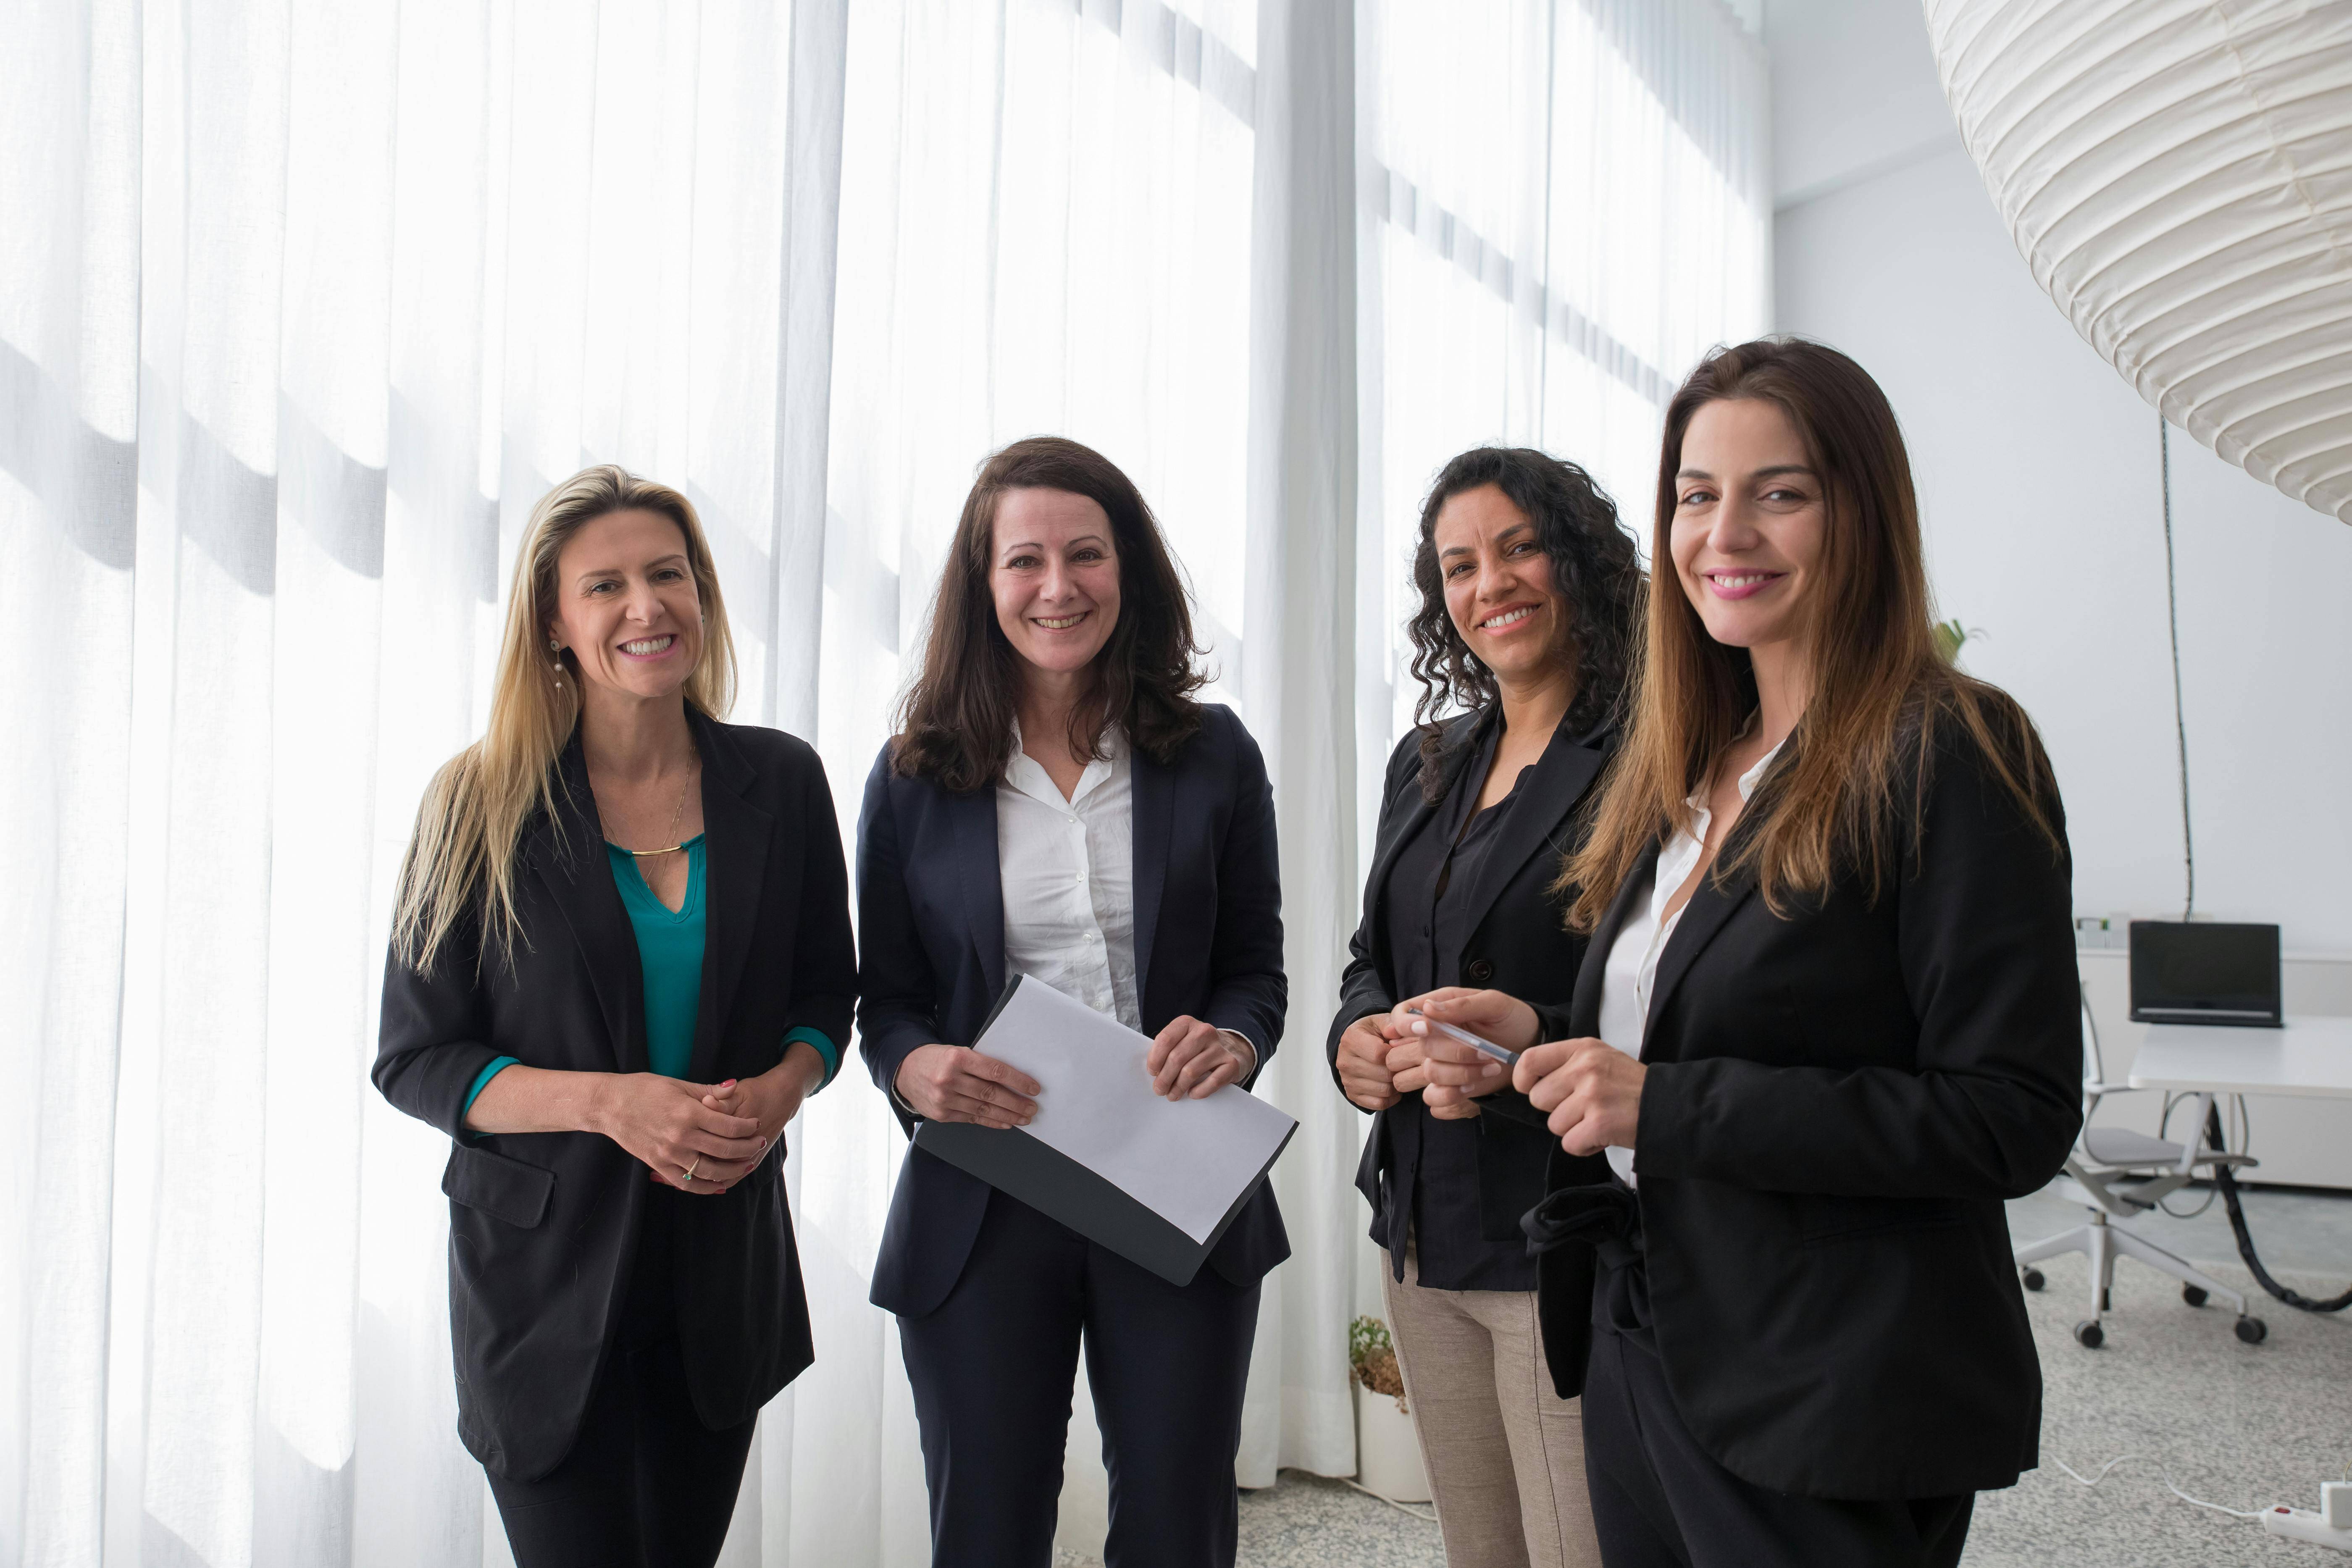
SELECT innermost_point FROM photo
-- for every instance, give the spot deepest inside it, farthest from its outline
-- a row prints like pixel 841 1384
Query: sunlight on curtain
pixel 302 306
pixel 1570 203
pixel 377 274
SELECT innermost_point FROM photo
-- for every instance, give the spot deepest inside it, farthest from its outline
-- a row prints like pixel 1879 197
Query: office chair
pixel 2117 1173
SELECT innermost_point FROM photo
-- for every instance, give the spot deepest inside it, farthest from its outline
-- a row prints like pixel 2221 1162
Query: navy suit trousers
pixel 992 1370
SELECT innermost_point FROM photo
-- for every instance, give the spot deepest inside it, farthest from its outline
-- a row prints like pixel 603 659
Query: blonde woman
pixel 620 962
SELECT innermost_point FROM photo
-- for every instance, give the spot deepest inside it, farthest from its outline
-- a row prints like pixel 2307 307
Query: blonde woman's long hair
pixel 461 864
pixel 1856 771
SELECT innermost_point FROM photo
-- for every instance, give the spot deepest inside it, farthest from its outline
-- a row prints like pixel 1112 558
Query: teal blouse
pixel 669 953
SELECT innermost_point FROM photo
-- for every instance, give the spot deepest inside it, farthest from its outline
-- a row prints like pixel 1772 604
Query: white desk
pixel 2310 1056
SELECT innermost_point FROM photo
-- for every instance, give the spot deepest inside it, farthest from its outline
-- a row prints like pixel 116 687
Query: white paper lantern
pixel 2179 175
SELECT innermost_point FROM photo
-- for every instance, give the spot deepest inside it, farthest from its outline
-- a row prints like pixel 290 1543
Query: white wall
pixel 2038 475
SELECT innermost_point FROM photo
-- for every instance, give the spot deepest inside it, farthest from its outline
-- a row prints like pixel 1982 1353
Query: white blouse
pixel 1067 872
pixel 1633 966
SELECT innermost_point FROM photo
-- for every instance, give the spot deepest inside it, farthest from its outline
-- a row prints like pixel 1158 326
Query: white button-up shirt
pixel 1067 871
pixel 1631 972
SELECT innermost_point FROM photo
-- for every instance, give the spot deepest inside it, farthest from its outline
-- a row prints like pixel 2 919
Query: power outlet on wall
pixel 2103 931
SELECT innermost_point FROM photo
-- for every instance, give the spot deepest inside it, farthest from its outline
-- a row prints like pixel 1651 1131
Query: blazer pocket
pixel 503 1188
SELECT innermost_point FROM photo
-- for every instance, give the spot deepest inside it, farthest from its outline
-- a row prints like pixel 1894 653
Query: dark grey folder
pixel 1055 1185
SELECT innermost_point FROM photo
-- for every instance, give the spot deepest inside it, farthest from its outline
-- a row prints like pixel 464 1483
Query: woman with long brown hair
pixel 1058 803
pixel 620 960
pixel 1826 1025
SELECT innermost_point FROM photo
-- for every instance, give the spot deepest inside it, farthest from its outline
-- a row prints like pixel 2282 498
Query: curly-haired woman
pixel 1529 594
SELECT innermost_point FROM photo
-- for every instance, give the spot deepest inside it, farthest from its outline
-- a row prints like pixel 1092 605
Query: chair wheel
pixel 2252 1330
pixel 2033 1277
pixel 2090 1336
pixel 2193 1294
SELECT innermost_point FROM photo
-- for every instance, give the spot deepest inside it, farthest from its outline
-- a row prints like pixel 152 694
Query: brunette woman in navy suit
pixel 1058 805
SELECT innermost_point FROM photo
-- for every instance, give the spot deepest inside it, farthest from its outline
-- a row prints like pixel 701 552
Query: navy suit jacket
pixel 1208 943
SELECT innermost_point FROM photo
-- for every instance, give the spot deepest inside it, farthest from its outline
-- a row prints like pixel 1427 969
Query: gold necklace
pixel 675 818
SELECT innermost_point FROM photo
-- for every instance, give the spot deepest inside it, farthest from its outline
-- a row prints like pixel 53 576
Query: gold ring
pixel 688 1179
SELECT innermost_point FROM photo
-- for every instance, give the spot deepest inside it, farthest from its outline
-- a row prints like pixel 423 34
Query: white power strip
pixel 2302 1524
pixel 2331 1526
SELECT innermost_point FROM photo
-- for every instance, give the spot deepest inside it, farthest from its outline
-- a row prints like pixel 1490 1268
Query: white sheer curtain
pixel 1567 202
pixel 302 305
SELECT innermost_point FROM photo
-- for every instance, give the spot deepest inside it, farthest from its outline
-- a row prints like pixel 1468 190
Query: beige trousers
pixel 1505 1453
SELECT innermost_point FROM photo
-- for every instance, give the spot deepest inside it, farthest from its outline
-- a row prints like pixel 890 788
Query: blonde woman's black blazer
pixel 542 1226
pixel 1836 1105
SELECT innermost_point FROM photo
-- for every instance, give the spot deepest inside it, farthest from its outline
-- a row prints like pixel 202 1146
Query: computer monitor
pixel 2204 971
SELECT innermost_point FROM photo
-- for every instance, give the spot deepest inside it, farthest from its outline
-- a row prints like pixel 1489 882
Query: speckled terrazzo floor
pixel 2239 1425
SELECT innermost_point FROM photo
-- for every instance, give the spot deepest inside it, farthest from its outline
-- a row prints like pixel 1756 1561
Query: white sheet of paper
pixel 1186 1161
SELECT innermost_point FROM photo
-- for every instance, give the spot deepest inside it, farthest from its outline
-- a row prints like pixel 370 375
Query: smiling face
pixel 1749 524
pixel 1053 573
pixel 625 604
pixel 1499 588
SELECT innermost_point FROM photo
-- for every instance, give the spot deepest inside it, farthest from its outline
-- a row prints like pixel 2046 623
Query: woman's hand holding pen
pixel 1590 1091
pixel 1409 1066
pixel 956 1083
pixel 1449 1074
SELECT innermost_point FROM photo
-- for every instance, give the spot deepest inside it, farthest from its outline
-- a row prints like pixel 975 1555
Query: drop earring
pixel 556 648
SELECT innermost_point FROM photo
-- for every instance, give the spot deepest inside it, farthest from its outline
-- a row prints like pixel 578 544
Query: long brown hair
pixel 1594 571
pixel 1880 688
pixel 956 724
pixel 461 860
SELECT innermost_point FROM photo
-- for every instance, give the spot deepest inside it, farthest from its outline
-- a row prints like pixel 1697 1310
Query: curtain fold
pixel 303 306
pixel 1299 684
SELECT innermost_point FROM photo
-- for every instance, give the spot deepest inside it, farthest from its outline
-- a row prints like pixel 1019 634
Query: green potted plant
pixel 1388 1450
pixel 1950 634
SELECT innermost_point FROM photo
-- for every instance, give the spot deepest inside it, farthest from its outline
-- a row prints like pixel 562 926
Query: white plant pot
pixel 1388 1450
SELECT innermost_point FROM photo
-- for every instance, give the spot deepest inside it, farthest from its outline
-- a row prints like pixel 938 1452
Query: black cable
pixel 2227 1180
pixel 2173 619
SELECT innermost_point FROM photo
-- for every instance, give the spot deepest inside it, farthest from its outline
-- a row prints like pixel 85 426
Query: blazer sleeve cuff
pixel 820 1042
pixel 1551 1023
pixel 481 1082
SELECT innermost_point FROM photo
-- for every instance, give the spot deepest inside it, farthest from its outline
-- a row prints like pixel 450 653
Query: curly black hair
pixel 1594 568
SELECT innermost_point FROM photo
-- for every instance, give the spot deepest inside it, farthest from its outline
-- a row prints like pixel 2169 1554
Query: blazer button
pixel 1481 971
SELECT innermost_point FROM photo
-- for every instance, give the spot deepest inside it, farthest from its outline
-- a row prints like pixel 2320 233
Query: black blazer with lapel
pixel 542 1226
pixel 1208 943
pixel 1837 1103
pixel 1520 944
